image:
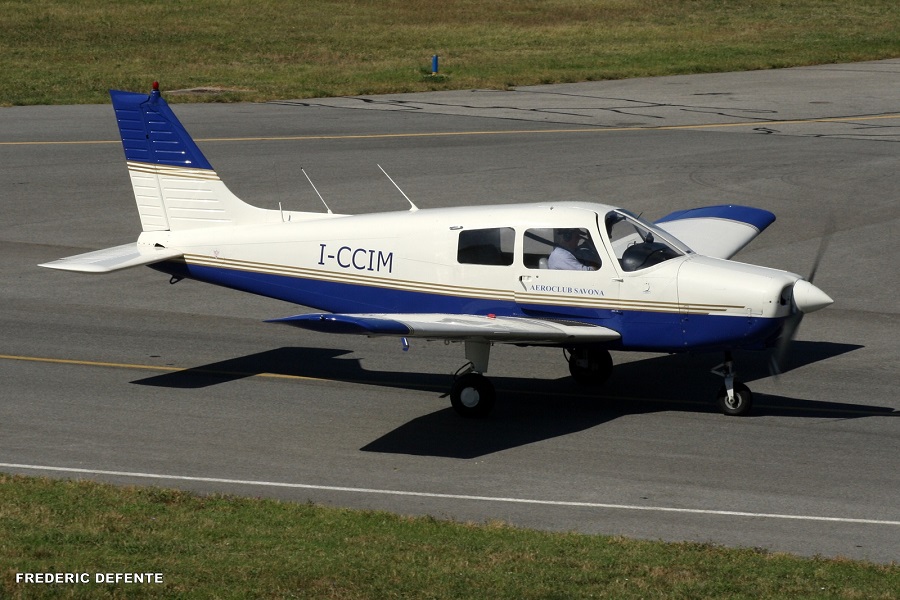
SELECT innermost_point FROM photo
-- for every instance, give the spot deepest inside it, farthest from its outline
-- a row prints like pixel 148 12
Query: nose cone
pixel 808 298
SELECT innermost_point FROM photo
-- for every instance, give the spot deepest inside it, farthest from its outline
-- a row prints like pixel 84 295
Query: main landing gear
pixel 472 394
pixel 734 398
pixel 589 365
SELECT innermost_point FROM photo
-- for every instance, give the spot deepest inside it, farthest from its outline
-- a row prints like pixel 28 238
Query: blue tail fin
pixel 174 185
pixel 151 133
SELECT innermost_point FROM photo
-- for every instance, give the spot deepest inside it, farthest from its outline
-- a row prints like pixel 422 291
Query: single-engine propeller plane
pixel 582 276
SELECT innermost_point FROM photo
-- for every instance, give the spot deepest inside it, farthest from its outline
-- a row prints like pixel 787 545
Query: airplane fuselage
pixel 417 262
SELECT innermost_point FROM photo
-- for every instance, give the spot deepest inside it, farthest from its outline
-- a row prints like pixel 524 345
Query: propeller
pixel 805 298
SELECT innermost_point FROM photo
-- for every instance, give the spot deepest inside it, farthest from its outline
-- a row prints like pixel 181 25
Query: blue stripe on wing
pixel 756 217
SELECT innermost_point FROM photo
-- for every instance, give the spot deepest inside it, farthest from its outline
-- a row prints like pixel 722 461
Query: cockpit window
pixel 564 248
pixel 639 244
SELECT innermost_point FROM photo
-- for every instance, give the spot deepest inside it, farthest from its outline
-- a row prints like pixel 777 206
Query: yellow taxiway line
pixel 166 369
pixel 597 129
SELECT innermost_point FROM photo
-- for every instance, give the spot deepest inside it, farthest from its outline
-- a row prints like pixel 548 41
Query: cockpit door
pixel 649 261
pixel 567 272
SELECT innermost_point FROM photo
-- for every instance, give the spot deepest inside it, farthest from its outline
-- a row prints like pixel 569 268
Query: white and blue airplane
pixel 583 276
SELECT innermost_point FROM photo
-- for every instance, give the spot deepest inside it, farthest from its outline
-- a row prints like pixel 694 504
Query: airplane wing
pixel 717 231
pixel 114 259
pixel 454 327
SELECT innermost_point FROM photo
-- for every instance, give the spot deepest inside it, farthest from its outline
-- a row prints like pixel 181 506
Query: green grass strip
pixel 230 547
pixel 72 51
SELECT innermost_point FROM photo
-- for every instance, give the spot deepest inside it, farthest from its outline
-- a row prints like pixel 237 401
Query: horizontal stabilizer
pixel 114 259
pixel 717 231
pixel 454 327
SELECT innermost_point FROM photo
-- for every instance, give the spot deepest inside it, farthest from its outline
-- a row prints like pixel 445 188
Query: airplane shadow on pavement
pixel 531 410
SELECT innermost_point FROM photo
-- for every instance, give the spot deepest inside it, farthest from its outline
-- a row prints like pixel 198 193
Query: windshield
pixel 639 244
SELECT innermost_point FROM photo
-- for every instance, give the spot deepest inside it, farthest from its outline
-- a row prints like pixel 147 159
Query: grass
pixel 72 51
pixel 223 547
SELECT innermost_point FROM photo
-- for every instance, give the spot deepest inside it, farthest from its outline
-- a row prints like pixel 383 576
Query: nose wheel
pixel 734 398
pixel 738 403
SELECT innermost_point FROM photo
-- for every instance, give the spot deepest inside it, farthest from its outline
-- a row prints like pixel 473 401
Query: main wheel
pixel 472 396
pixel 740 405
pixel 589 365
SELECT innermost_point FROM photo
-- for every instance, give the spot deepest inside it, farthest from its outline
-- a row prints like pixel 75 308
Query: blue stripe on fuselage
pixel 640 330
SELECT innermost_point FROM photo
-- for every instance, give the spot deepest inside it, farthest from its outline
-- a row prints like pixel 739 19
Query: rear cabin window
pixel 492 246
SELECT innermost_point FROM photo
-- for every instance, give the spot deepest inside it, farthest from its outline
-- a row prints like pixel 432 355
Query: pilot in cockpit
pixel 573 251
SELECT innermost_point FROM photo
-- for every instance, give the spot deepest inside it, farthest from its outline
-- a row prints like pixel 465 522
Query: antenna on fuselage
pixel 412 206
pixel 302 170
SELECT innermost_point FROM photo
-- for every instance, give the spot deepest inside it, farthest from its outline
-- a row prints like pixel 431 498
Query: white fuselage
pixel 433 261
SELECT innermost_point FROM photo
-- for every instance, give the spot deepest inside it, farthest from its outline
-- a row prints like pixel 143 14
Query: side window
pixel 492 246
pixel 568 248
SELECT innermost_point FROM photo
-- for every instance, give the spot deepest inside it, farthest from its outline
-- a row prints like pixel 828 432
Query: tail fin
pixel 174 185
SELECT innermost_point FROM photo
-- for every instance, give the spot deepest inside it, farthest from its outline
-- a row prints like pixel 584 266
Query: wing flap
pixel 454 327
pixel 717 231
pixel 114 259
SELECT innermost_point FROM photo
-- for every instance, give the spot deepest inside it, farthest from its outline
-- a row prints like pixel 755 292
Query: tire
pixel 590 366
pixel 742 403
pixel 472 396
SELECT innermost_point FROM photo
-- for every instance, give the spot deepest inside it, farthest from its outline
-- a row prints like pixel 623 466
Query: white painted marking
pixel 331 488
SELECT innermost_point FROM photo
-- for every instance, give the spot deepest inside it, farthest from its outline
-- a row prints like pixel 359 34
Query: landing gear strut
pixel 472 394
pixel 734 398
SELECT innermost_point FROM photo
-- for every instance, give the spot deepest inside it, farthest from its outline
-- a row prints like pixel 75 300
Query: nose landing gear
pixel 734 398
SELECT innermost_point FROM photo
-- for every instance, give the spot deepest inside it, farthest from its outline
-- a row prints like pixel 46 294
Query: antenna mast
pixel 413 207
pixel 302 170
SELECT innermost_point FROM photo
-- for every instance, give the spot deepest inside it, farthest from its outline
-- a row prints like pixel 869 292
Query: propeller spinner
pixel 805 298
